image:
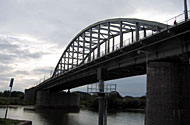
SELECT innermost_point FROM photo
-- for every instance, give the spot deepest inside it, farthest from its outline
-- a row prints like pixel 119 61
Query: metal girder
pixel 110 30
pixel 80 46
pixel 94 32
pixel 118 27
pixel 95 38
pixel 70 58
pixel 79 52
pixel 93 43
pixel 121 34
pixel 100 37
pixel 129 25
pixel 70 64
pixel 115 26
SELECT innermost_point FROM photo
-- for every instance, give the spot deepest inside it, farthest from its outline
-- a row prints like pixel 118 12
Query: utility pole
pixel 185 10
pixel 101 94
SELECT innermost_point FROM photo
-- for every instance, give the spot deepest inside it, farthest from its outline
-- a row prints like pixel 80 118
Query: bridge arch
pixel 102 38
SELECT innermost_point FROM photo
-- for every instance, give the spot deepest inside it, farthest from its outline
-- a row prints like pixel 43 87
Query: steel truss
pixel 102 38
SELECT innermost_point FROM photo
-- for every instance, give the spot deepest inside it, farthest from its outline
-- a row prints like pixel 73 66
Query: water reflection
pixel 62 117
pixel 54 116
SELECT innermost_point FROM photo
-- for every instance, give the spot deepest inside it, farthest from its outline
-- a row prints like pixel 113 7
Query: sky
pixel 34 34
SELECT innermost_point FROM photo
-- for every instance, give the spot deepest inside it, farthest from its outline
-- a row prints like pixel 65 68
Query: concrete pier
pixel 30 95
pixel 168 94
pixel 58 100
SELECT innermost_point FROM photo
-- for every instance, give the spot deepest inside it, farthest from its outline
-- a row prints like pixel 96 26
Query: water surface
pixel 60 117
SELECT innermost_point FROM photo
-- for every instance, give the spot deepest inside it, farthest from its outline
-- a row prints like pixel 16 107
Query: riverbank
pixel 9 122
pixel 84 117
pixel 115 102
pixel 12 101
pixel 14 122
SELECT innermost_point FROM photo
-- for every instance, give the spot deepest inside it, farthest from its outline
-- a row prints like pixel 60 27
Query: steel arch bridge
pixel 103 38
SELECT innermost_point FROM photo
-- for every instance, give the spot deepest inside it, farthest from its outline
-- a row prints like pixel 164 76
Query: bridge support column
pixel 168 94
pixel 59 100
pixel 30 95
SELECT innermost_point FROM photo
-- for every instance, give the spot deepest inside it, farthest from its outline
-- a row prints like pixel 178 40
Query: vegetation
pixel 12 101
pixel 17 98
pixel 9 121
pixel 114 101
pixel 17 94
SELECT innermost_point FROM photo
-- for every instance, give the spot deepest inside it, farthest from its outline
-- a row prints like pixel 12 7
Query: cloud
pixel 34 33
pixel 4 68
pixel 10 50
pixel 132 86
pixel 44 70
pixel 21 85
pixel 23 58
pixel 6 58
pixel 4 77
pixel 56 21
pixel 59 21
pixel 19 72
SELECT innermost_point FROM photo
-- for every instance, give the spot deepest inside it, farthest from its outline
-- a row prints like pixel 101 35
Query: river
pixel 60 117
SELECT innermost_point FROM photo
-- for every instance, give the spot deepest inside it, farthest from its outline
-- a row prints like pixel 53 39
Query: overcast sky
pixel 34 33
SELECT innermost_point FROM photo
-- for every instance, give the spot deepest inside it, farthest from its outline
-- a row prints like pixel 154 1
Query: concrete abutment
pixel 168 94
pixel 30 95
pixel 56 100
pixel 59 100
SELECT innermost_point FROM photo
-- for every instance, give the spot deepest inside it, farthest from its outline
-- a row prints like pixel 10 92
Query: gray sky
pixel 34 33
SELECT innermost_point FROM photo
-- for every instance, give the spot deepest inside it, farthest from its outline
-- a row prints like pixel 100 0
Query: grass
pixel 9 122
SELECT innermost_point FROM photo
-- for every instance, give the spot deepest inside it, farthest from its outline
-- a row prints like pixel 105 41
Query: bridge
pixel 123 47
pixel 106 44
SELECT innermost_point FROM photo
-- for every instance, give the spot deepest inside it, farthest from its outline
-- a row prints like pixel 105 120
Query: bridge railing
pixel 177 19
pixel 126 42
pixel 170 22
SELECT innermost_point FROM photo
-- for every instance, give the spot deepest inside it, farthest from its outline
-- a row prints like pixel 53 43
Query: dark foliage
pixel 114 101
pixel 13 94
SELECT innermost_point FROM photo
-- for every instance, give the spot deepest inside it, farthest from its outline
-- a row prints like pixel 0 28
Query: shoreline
pixel 115 110
pixel 81 107
pixel 15 122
